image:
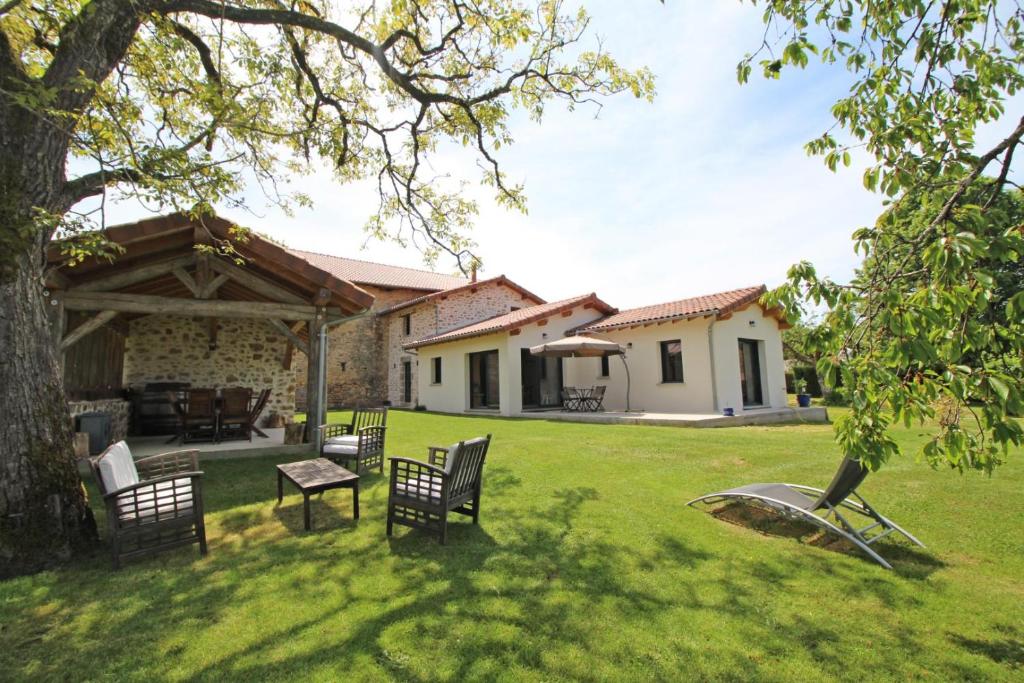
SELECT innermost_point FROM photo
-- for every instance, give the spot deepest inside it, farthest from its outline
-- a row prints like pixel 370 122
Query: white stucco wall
pixel 750 323
pixel 452 395
pixel 648 393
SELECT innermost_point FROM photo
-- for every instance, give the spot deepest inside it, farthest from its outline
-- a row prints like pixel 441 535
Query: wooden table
pixel 317 476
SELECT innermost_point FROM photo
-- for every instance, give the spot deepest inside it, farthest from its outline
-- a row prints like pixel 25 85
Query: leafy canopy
pixel 933 323
pixel 210 96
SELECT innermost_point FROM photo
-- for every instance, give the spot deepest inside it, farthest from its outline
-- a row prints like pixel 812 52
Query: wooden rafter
pixel 145 304
pixel 91 325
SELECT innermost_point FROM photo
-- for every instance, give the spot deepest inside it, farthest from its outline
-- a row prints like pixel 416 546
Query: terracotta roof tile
pixel 708 304
pixel 501 279
pixel 380 274
pixel 508 321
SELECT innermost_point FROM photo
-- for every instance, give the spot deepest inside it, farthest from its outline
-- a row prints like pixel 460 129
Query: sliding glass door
pixel 483 380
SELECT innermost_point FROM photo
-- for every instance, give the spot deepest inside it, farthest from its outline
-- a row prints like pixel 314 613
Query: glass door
pixel 483 379
pixel 750 373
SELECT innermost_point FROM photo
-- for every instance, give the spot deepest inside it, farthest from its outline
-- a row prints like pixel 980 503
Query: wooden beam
pixel 91 325
pixel 255 282
pixel 135 275
pixel 286 331
pixel 187 280
pixel 212 286
pixel 145 304
pixel 289 349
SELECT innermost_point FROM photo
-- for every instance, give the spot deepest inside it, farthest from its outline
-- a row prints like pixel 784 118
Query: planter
pixel 728 412
pixel 803 400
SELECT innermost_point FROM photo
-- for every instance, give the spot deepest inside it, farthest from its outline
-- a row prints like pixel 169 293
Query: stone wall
pixel 118 409
pixel 248 353
pixel 356 363
pixel 433 317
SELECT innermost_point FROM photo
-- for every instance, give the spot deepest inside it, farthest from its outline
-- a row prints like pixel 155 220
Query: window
pixel 672 361
pixel 435 370
pixel 407 324
pixel 604 366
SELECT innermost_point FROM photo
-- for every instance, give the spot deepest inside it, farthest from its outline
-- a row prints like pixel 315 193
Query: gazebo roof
pixel 157 255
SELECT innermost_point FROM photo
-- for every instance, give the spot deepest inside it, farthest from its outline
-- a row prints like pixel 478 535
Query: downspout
pixel 626 365
pixel 711 355
pixel 322 379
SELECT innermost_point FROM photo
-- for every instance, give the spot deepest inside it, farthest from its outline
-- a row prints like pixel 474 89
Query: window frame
pixel 666 363
pixel 605 369
pixel 435 370
pixel 407 324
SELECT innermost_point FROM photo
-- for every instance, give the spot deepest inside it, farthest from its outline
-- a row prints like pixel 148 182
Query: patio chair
pixel 153 503
pixel 570 398
pixel 803 502
pixel 197 415
pixel 594 400
pixel 235 411
pixel 421 494
pixel 361 442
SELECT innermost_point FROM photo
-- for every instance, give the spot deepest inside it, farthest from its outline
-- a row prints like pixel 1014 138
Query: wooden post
pixel 315 415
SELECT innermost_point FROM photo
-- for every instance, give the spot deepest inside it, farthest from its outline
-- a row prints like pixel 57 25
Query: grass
pixel 586 566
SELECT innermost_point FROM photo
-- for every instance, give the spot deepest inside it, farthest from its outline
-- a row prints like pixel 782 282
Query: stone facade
pixel 356 367
pixel 462 307
pixel 118 409
pixel 248 353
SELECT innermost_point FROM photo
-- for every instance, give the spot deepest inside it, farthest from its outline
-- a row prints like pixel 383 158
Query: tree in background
pixel 800 347
pixel 934 315
pixel 178 102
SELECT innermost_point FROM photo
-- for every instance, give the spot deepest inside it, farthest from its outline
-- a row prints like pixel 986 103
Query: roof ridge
pixel 688 298
pixel 376 263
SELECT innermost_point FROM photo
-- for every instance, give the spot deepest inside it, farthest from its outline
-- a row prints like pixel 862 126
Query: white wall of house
pixel 750 323
pixel 695 394
pixel 648 393
pixel 460 308
pixel 452 394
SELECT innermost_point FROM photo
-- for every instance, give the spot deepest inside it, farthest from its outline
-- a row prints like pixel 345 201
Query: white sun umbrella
pixel 584 347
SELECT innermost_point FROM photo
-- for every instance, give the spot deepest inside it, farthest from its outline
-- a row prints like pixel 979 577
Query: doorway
pixel 541 380
pixel 483 380
pixel 407 381
pixel 750 373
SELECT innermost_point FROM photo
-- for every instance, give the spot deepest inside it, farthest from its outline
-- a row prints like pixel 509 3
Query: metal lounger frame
pixel 848 530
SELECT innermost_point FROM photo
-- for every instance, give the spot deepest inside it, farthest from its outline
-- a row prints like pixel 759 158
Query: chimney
pixel 472 272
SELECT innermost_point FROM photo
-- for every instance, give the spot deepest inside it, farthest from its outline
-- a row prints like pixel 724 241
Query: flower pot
pixel 803 400
pixel 728 412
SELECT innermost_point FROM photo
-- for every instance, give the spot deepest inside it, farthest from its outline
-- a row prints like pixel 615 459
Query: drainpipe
pixel 322 379
pixel 711 355
pixel 626 365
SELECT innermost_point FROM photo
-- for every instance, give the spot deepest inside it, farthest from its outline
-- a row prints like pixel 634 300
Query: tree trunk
pixel 44 513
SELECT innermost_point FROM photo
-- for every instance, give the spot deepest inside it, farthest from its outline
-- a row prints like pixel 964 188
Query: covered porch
pixel 191 303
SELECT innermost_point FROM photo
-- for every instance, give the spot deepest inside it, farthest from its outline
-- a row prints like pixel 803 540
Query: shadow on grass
pixel 1007 651
pixel 906 561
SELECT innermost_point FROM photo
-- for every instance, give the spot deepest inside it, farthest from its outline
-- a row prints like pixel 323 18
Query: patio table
pixel 316 476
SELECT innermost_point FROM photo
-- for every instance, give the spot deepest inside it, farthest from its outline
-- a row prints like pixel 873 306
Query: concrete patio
pixel 141 446
pixel 752 417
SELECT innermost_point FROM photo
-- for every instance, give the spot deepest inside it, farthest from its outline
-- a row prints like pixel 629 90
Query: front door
pixel 407 381
pixel 750 373
pixel 483 380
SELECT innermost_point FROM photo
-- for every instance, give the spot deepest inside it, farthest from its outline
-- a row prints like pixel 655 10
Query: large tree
pixel 933 318
pixel 179 102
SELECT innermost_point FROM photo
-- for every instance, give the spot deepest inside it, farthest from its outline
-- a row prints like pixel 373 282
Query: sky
pixel 708 188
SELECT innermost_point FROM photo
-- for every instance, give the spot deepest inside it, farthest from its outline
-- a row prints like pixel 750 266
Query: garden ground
pixel 587 565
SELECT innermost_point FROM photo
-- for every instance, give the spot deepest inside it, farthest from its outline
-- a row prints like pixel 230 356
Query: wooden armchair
pixel 153 504
pixel 421 494
pixel 197 415
pixel 358 445
pixel 235 408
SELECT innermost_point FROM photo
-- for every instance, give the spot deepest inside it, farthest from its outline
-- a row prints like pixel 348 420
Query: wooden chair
pixel 235 409
pixel 153 503
pixel 197 415
pixel 359 445
pixel 421 494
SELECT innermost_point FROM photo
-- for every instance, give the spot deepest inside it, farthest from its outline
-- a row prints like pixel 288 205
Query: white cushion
pixel 165 500
pixel 426 489
pixel 341 448
pixel 449 460
pixel 345 440
pixel 117 468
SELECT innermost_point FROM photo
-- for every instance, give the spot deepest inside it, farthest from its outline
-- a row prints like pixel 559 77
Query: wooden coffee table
pixel 317 476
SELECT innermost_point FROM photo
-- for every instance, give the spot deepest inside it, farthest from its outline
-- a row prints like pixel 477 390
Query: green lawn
pixel 586 566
